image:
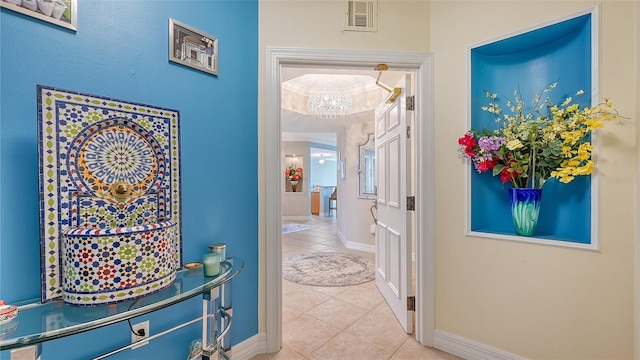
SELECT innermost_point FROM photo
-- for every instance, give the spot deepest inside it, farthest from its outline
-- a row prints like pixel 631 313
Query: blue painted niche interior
pixel 562 53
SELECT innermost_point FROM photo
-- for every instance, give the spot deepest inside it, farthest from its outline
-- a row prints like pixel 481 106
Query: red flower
pixel 467 140
pixel 506 175
pixel 485 165
pixel 467 144
pixel 293 173
pixel 469 151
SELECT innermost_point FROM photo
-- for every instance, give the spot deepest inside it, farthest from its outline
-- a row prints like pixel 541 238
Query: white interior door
pixel 393 235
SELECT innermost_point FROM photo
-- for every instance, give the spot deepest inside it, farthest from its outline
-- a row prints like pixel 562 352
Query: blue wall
pixel 121 51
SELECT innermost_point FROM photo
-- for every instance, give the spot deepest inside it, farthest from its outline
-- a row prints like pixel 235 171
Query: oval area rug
pixel 328 269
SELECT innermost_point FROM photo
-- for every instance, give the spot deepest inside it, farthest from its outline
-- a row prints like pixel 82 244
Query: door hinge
pixel 411 203
pixel 411 303
pixel 411 102
pixel 408 132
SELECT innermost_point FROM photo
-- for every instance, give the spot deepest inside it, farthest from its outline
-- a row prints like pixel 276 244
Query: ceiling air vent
pixel 361 16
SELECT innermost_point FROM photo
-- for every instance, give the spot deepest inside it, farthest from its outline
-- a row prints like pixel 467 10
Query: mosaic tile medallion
pixel 88 145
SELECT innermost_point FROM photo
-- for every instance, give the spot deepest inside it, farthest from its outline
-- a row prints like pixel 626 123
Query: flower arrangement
pixel 293 173
pixel 528 148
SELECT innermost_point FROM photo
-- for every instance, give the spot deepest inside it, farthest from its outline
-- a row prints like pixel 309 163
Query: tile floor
pixel 347 322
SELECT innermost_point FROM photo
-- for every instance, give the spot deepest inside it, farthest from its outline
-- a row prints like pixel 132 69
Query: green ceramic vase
pixel 525 207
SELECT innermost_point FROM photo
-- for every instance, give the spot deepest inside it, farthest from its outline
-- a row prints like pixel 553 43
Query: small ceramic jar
pixel 219 248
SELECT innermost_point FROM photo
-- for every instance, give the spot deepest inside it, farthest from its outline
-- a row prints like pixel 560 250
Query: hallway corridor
pixel 348 322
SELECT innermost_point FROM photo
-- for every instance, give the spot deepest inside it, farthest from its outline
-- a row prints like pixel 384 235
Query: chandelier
pixel 329 104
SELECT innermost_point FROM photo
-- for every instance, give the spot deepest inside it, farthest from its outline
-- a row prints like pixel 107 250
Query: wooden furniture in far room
pixel 315 203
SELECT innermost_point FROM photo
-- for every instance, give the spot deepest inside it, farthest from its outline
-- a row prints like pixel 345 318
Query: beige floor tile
pixel 380 327
pixel 371 285
pixel 289 313
pixel 413 350
pixel 298 242
pixel 330 290
pixel 337 313
pixel 366 297
pixel 284 354
pixel 287 247
pixel 304 299
pixel 314 247
pixel 288 286
pixel 298 251
pixel 305 334
pixel 346 346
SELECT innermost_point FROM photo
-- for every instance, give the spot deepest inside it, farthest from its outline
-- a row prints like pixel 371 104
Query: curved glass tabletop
pixel 38 322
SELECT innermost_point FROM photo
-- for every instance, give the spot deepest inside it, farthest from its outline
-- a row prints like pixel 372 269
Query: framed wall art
pixel 60 12
pixel 192 47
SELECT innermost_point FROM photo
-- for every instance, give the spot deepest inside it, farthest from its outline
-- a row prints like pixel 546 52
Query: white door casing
pixel 393 231
pixel 271 212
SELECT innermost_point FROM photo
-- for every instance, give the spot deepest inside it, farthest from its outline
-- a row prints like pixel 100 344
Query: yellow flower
pixel 514 144
pixel 572 108
pixel 557 113
pixel 545 135
pixel 571 137
pixel 594 124
pixel 564 175
pixel 566 179
pixel 584 170
pixel 584 151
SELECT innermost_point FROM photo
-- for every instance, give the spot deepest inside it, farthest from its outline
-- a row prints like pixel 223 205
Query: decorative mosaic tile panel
pixel 108 266
pixel 86 144
pixel 100 213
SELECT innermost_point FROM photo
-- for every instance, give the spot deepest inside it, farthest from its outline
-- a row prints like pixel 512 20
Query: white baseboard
pixel 355 245
pixel 360 246
pixel 469 349
pixel 296 217
pixel 257 344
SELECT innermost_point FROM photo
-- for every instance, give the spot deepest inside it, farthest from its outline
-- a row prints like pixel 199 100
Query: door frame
pixel 422 65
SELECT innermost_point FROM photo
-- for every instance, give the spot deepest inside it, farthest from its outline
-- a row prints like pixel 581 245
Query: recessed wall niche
pixel 295 165
pixel 561 51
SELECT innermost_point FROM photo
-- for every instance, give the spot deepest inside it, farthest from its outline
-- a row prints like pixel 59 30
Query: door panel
pixel 395 257
pixel 393 233
pixel 394 116
pixel 395 178
pixel 381 179
pixel 381 248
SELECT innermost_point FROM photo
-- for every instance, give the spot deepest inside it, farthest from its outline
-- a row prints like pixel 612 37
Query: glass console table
pixel 38 322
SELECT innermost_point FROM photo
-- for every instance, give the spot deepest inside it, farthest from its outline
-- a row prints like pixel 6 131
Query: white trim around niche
pixel 422 64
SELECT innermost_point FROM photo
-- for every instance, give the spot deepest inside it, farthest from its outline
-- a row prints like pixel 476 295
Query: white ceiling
pixel 300 127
